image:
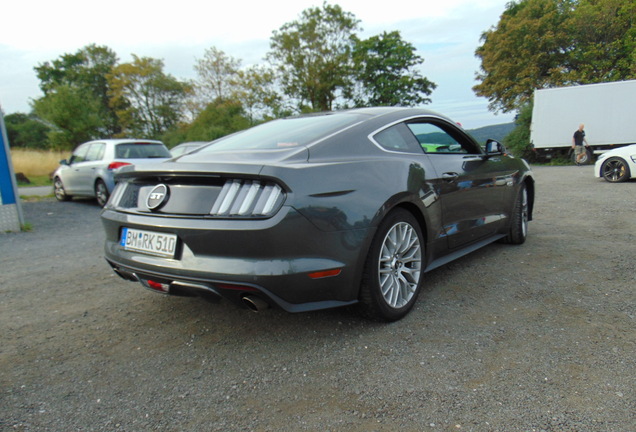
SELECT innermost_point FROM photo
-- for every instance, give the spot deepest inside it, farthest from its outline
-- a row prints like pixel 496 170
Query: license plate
pixel 149 242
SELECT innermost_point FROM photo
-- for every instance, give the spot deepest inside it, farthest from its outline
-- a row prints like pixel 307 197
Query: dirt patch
pixel 538 337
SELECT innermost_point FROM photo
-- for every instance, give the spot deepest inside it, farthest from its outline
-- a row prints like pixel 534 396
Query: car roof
pixel 124 141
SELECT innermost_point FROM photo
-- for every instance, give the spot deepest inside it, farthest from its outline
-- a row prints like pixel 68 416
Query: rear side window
pixel 95 152
pixel 398 138
pixel 141 151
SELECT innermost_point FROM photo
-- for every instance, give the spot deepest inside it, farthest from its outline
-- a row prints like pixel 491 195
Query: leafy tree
pixel 527 50
pixel 27 131
pixel 548 43
pixel 218 119
pixel 386 72
pixel 255 90
pixel 605 45
pixel 518 141
pixel 217 74
pixel 312 56
pixel 74 112
pixel 85 70
pixel 148 102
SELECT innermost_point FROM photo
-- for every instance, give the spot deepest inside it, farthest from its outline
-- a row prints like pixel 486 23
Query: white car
pixel 617 165
pixel 90 170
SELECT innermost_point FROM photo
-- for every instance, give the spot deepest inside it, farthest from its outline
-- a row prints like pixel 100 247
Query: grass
pixel 36 165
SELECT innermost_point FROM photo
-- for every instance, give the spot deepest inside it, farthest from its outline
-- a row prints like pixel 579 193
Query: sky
pixel 444 32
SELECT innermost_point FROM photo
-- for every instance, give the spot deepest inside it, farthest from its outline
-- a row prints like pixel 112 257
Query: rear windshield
pixel 285 133
pixel 141 151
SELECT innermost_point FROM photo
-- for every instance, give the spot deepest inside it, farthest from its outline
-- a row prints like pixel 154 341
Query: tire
pixel 59 191
pixel 101 193
pixel 519 219
pixel 615 170
pixel 393 271
pixel 585 160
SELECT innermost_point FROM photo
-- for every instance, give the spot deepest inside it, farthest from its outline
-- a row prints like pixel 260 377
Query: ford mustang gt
pixel 317 211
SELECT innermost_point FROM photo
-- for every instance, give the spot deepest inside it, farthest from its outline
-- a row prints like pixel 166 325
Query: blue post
pixel 10 210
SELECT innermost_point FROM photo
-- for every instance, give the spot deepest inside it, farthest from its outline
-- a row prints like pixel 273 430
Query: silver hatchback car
pixel 90 170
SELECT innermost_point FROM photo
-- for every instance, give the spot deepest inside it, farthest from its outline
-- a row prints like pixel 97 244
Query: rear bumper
pixel 280 260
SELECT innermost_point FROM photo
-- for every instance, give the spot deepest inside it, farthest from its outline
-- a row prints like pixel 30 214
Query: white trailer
pixel 607 110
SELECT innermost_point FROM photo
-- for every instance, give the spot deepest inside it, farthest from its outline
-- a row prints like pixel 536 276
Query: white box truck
pixel 607 110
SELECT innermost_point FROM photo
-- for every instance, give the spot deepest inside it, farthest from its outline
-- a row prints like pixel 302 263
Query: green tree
pixel 548 43
pixel 526 50
pixel 27 131
pixel 312 56
pixel 518 140
pixel 74 112
pixel 217 75
pixel 386 71
pixel 148 102
pixel 85 70
pixel 605 44
pixel 218 119
pixel 255 90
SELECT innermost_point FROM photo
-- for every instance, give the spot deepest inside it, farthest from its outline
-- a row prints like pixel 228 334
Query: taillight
pixel 248 198
pixel 115 165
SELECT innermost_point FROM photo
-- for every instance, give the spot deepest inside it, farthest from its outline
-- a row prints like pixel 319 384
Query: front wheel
pixel 393 271
pixel 101 193
pixel 59 191
pixel 615 170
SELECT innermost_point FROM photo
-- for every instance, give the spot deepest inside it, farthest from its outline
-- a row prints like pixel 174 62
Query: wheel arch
pixel 405 205
pixel 529 182
pixel 623 160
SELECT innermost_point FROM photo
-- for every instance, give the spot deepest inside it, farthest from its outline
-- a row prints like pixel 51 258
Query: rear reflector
pixel 159 286
pixel 325 274
pixel 236 287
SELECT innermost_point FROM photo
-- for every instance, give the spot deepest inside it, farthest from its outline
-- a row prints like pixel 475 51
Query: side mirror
pixel 64 162
pixel 494 148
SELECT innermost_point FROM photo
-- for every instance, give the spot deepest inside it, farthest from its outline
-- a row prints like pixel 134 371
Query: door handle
pixel 450 176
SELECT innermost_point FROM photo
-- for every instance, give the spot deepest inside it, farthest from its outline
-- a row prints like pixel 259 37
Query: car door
pixel 84 167
pixel 73 176
pixel 470 186
pixel 92 166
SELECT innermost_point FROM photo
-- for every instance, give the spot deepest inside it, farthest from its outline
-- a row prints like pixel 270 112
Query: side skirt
pixel 461 252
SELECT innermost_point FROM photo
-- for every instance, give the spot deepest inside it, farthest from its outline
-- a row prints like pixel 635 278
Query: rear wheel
pixel 615 170
pixel 101 193
pixel 394 268
pixel 59 191
pixel 519 219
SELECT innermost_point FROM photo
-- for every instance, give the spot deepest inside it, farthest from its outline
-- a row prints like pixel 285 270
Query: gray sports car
pixel 317 211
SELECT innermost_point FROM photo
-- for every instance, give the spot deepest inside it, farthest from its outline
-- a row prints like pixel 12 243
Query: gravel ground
pixel 538 337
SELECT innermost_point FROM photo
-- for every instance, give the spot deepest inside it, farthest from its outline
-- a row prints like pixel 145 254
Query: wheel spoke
pixel 400 265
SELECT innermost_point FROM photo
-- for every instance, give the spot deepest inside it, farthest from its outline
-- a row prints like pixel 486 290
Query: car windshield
pixel 141 151
pixel 285 133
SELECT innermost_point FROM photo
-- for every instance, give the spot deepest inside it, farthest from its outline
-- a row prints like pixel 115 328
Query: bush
pixel 518 141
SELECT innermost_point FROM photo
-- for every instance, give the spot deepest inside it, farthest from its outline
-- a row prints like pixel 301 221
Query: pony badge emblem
pixel 157 197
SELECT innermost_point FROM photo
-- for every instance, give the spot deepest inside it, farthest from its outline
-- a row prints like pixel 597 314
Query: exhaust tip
pixel 129 276
pixel 255 304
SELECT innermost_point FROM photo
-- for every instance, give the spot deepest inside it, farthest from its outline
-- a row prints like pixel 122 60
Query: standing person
pixel 577 143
